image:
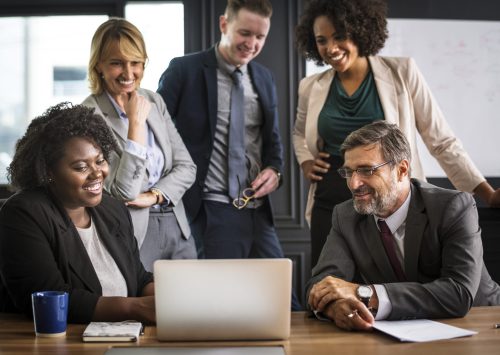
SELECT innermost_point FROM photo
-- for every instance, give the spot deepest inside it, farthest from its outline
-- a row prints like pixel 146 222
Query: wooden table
pixel 308 336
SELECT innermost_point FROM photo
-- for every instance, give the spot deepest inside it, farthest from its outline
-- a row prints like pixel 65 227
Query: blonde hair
pixel 130 42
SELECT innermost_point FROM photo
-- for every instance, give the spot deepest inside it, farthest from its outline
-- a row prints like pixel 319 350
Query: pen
pixel 496 326
pixel 371 309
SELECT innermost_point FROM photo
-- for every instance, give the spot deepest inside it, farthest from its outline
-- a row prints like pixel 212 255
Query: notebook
pixel 230 299
pixel 112 331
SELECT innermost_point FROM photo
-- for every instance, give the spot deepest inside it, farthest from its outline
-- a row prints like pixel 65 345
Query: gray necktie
pixel 237 170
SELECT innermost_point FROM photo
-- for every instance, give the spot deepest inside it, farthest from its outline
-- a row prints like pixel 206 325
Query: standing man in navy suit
pixel 197 90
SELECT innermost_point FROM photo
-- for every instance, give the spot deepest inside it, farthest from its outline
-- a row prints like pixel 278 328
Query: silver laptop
pixel 230 299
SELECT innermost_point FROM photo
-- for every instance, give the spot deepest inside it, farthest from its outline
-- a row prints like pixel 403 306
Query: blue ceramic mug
pixel 50 312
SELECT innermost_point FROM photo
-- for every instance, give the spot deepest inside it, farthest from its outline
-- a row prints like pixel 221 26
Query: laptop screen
pixel 223 299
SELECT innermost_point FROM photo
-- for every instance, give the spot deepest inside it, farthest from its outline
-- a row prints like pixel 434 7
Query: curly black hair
pixel 42 146
pixel 362 21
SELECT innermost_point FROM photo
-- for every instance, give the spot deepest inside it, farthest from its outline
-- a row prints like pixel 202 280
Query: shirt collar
pixel 121 113
pixel 395 220
pixel 225 66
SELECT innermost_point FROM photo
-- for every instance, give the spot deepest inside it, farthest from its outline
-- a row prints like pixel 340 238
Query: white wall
pixel 460 61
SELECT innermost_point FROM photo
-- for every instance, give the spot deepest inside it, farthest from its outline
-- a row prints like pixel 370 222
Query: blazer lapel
pixel 374 245
pixel 157 124
pixel 112 118
pixel 384 81
pixel 78 259
pixel 317 98
pixel 416 221
pixel 210 73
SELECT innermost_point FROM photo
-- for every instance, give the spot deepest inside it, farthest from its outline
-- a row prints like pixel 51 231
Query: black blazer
pixel 40 249
pixel 189 88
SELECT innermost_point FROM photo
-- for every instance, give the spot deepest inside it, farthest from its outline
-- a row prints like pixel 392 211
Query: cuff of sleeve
pixel 278 173
pixel 136 149
pixel 319 315
pixel 166 199
pixel 384 304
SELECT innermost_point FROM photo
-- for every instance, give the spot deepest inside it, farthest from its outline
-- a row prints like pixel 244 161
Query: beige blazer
pixel 408 102
pixel 128 175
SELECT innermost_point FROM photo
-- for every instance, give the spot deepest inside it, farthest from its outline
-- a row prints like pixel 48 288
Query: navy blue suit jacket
pixel 189 88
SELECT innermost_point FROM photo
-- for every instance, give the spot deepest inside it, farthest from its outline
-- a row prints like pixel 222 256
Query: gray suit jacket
pixel 128 174
pixel 443 255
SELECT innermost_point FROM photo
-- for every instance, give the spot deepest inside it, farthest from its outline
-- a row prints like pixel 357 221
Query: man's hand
pixel 265 183
pixel 350 314
pixel 329 290
pixel 314 169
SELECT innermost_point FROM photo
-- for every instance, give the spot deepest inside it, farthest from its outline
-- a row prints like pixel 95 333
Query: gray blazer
pixel 443 255
pixel 128 174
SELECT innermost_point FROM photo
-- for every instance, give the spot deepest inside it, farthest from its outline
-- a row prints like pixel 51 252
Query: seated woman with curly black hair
pixel 59 232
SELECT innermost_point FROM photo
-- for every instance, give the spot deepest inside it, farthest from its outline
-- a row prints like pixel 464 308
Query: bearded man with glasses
pixel 400 248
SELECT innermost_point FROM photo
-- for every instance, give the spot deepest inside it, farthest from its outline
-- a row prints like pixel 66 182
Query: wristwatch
pixel 278 174
pixel 364 293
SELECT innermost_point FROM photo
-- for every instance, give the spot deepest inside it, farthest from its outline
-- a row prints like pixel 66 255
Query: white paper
pixel 420 330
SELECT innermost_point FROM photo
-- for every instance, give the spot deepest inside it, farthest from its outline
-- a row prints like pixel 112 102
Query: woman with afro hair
pixel 359 88
pixel 60 232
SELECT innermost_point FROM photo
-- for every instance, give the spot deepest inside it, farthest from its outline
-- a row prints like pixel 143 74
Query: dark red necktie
pixel 390 249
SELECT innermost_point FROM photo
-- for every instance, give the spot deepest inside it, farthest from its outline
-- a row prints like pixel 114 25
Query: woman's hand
pixel 116 309
pixel 486 192
pixel 137 108
pixel 314 169
pixel 143 200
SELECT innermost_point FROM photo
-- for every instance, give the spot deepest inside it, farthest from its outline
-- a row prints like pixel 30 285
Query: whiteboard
pixel 460 61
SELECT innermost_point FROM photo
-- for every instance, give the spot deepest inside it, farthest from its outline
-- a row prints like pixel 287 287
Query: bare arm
pixel 488 194
pixel 113 309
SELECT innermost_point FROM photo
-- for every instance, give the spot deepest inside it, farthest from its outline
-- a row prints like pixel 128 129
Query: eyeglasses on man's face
pixel 363 171
pixel 245 197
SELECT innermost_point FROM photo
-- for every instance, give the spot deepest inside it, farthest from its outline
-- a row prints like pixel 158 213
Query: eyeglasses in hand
pixel 245 197
pixel 363 171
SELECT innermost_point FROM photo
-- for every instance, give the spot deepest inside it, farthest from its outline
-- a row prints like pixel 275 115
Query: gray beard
pixel 379 204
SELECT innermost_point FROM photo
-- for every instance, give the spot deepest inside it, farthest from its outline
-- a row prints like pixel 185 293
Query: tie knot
pixel 236 75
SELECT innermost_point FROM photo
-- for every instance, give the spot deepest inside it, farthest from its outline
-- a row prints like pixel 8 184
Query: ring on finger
pixel 352 314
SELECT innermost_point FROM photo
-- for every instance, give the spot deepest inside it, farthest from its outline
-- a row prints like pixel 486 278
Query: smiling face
pixel 121 74
pixel 78 177
pixel 243 37
pixel 383 192
pixel 334 48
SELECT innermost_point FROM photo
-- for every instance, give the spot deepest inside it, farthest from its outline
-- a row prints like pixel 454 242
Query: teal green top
pixel 343 114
